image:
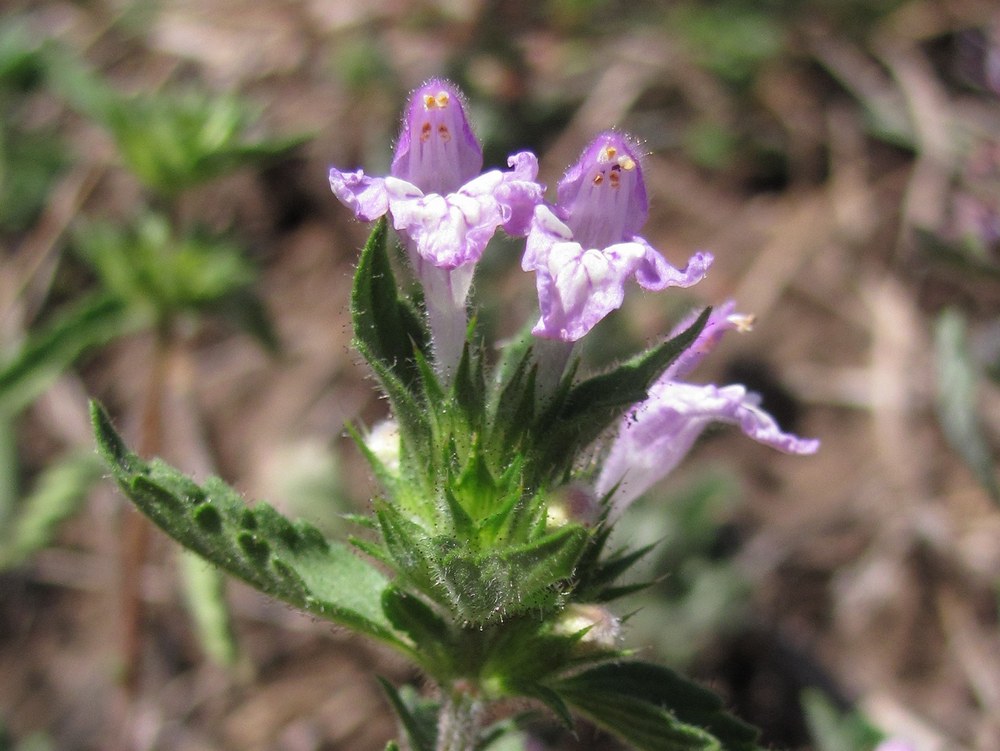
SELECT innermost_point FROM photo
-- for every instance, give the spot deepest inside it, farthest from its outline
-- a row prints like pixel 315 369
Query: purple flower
pixel 437 150
pixel 585 248
pixel 435 192
pixel 658 433
pixel 444 209
pixel 722 319
pixel 451 230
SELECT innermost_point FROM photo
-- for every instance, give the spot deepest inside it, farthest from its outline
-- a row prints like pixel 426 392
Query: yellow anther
pixel 610 152
pixel 626 163
pixel 436 101
pixel 598 178
pixel 743 323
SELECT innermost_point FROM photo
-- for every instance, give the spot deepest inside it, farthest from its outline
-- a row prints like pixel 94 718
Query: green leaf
pixel 591 406
pixel 32 152
pixel 514 354
pixel 597 587
pixel 171 140
pixel 409 545
pixel 413 617
pixel 291 561
pixel 205 593
pixel 551 700
pixel 629 382
pixel 481 587
pixel 386 329
pixel 30 161
pixel 546 561
pixel 45 355
pixel 469 389
pixel 515 400
pixel 414 426
pixel 515 517
pixel 644 725
pixel 655 709
pixel 391 337
pixel 58 493
pixel 610 594
pixel 476 487
pixel 418 718
pixel 77 84
pixel 21 64
pixel 148 264
pixel 432 389
pixel 956 397
pixel 461 523
pixel 429 631
pixel 489 587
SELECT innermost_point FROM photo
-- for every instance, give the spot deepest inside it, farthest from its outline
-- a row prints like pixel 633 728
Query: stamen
pixel 598 178
pixel 743 323
pixel 610 152
pixel 436 101
pixel 627 163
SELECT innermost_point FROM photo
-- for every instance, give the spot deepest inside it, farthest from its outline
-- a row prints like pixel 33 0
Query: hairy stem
pixel 458 721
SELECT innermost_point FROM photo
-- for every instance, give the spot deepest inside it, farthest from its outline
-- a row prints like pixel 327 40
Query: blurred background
pixel 170 246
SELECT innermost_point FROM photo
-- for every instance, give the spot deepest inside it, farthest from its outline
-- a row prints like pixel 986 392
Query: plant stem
pixel 458 721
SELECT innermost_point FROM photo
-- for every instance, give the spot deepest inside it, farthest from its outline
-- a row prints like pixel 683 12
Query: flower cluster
pixel 583 250
pixel 486 557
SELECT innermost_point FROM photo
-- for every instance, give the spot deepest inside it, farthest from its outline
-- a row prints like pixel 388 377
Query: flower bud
pixel 574 503
pixel 603 628
pixel 383 441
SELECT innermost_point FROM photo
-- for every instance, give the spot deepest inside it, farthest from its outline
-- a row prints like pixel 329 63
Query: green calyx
pixel 465 517
pixel 463 566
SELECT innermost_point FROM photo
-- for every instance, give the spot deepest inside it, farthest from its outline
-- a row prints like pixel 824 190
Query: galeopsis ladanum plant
pixel 485 559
